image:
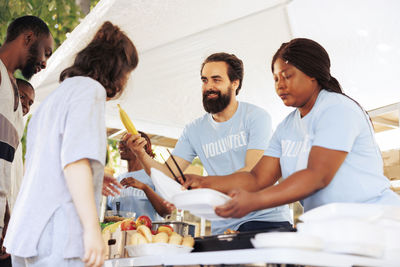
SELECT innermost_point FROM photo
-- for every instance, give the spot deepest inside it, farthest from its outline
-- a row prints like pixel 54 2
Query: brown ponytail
pixel 108 58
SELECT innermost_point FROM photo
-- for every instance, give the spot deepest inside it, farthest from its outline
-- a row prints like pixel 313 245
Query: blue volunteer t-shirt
pixel 133 199
pixel 222 147
pixel 338 123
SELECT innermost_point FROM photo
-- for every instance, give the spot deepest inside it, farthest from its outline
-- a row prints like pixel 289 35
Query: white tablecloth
pixel 248 256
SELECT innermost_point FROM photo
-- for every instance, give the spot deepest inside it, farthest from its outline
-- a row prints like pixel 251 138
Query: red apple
pixel 128 225
pixel 143 220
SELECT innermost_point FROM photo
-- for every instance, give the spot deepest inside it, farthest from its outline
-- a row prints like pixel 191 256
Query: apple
pixel 128 225
pixel 143 220
pixel 165 228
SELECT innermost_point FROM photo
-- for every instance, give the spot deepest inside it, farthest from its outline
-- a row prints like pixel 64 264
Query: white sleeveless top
pixel 11 128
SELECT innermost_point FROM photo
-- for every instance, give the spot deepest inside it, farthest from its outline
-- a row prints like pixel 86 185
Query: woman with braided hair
pixel 324 150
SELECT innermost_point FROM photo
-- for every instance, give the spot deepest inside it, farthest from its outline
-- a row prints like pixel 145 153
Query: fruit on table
pixel 165 228
pixel 143 220
pixel 126 121
pixel 111 228
pixel 128 224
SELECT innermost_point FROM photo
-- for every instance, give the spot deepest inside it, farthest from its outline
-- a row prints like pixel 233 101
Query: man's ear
pixel 29 38
pixel 235 84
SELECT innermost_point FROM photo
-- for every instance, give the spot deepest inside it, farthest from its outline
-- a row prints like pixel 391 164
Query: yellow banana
pixel 109 170
pixel 126 121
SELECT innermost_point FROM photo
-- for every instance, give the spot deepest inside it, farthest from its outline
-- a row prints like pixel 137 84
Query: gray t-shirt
pixel 68 126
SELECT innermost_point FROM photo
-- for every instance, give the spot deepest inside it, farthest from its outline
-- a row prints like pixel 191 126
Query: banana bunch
pixel 126 121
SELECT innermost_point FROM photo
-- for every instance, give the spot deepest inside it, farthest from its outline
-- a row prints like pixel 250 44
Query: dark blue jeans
pixel 265 226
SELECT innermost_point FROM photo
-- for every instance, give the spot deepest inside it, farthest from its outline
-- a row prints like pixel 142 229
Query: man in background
pixel 27 47
pixel 27 97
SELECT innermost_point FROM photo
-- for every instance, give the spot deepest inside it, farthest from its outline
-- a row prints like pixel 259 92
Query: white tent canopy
pixel 173 37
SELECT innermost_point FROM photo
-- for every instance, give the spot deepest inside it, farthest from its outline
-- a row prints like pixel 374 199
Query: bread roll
pixel 129 237
pixel 160 238
pixel 145 231
pixel 136 239
pixel 142 239
pixel 175 239
pixel 132 239
pixel 188 241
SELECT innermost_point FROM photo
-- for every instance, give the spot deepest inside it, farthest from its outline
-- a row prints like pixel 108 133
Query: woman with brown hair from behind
pixel 55 219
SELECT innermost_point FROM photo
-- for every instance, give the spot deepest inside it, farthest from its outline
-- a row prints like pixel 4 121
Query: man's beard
pixel 218 104
pixel 32 62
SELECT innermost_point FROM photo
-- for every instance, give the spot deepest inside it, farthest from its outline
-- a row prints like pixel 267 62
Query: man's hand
pixel 242 203
pixel 3 254
pixel 110 185
pixel 132 182
pixel 95 250
pixel 135 143
pixel 193 181
pixel 171 207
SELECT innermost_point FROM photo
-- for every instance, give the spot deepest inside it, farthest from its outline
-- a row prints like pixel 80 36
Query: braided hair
pixel 312 59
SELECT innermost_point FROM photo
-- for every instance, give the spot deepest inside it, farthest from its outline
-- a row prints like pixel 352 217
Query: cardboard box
pixel 392 172
pixel 391 157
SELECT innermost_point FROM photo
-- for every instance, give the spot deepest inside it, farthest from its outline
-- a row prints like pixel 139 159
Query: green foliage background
pixel 23 139
pixel 62 16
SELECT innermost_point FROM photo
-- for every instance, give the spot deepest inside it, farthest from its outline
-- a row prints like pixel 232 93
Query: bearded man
pixel 230 137
pixel 27 47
